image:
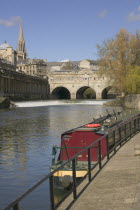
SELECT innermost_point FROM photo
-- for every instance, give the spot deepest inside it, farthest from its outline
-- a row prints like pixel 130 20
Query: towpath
pixel 117 186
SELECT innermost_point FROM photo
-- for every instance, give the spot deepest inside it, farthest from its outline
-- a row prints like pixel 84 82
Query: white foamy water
pixel 60 102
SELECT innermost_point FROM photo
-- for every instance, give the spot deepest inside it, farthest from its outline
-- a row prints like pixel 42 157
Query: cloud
pixel 103 13
pixel 13 21
pixel 134 15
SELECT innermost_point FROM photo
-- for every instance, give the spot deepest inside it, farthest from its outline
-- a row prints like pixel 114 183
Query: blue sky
pixel 66 29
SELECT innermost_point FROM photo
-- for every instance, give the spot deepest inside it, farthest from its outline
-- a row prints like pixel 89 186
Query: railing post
pixel 138 124
pixel 135 125
pixel 89 166
pixel 120 136
pixel 107 146
pixel 130 128
pixel 125 132
pixel 114 137
pixel 16 207
pixel 51 179
pixel 74 178
pixel 100 159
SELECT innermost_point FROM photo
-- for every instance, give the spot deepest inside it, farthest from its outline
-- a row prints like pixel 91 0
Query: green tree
pixel 118 57
pixel 133 80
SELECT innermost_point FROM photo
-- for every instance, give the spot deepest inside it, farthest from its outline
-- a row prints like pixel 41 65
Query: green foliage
pixel 133 80
pixel 1 99
pixel 117 59
pixel 89 93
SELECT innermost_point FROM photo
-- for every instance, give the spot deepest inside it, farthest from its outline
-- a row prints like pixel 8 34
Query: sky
pixel 66 29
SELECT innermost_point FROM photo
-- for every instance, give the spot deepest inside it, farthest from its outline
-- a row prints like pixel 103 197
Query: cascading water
pixel 60 102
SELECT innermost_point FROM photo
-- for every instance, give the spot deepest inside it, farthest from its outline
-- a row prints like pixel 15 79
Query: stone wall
pixel 19 86
pixel 132 101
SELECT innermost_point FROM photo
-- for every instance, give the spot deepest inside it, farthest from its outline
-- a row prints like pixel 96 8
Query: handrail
pixel 15 204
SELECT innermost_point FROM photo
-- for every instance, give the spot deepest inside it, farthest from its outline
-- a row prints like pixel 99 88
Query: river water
pixel 27 134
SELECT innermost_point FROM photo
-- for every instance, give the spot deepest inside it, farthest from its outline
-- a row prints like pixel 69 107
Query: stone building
pixel 33 67
pixel 72 65
pixel 59 66
pixel 21 50
pixel 19 58
pixel 19 86
pixel 88 64
pixel 4 64
pixel 8 53
pixel 54 66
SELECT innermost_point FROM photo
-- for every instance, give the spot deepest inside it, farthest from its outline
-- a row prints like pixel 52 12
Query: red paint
pixel 92 125
pixel 81 139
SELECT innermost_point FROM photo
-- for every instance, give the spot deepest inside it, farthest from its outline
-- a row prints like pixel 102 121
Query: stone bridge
pixel 71 84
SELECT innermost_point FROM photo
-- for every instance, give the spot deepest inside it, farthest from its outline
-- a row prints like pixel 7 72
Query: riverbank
pixel 118 102
pixel 6 103
pixel 131 101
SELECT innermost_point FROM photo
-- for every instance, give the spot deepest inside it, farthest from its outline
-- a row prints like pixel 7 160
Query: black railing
pixel 115 138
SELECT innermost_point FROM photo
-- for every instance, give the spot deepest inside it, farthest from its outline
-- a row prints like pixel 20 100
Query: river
pixel 27 134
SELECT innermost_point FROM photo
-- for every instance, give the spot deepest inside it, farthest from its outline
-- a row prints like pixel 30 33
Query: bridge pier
pixel 73 96
pixel 98 95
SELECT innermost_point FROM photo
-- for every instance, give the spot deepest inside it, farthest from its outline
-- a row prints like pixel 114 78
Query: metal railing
pixel 117 135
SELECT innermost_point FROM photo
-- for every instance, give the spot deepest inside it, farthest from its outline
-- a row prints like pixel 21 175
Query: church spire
pixel 21 37
pixel 21 51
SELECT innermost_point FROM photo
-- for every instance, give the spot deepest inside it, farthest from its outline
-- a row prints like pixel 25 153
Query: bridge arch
pixel 60 93
pixel 85 92
pixel 109 92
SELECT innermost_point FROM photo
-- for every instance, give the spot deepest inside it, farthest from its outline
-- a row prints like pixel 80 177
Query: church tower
pixel 21 51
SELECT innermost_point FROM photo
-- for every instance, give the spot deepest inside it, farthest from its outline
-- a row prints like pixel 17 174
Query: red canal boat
pixel 75 140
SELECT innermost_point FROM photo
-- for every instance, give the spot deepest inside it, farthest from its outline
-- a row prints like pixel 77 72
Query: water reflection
pixel 26 139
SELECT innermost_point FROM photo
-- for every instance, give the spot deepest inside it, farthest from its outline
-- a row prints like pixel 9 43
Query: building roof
pixel 33 61
pixel 92 62
pixel 50 64
pixel 55 63
pixel 69 65
pixel 4 46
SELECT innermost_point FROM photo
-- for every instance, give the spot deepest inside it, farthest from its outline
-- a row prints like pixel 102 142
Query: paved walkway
pixel 117 186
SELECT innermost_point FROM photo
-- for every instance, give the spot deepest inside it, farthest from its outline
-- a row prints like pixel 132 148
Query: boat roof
pixel 106 122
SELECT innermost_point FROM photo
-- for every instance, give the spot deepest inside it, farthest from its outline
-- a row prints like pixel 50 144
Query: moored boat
pixel 75 140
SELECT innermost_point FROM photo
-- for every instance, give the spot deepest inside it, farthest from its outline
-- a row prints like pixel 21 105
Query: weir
pixel 130 128
pixel 59 103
